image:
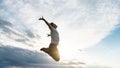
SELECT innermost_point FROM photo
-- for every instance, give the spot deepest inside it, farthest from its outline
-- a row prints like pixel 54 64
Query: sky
pixel 89 33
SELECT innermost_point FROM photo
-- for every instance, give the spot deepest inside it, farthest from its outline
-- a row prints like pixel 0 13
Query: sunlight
pixel 66 53
pixel 69 53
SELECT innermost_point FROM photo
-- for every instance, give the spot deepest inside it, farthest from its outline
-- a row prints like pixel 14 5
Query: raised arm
pixel 50 27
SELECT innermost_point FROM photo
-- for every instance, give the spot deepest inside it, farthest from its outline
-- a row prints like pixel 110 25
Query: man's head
pixel 54 25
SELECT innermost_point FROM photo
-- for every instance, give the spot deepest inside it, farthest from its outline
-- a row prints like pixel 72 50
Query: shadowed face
pixel 54 25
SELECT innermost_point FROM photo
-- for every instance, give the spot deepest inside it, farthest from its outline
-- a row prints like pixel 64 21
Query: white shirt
pixel 54 36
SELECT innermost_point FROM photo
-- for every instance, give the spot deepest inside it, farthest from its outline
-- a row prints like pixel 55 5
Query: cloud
pixel 23 58
pixel 90 24
pixel 11 35
pixel 18 57
pixel 97 66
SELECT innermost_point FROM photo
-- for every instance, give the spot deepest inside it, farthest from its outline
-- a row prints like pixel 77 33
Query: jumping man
pixel 52 50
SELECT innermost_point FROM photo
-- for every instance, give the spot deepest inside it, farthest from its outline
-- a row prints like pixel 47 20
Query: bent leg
pixel 52 51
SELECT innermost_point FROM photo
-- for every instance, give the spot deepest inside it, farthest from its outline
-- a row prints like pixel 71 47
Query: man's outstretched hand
pixel 41 18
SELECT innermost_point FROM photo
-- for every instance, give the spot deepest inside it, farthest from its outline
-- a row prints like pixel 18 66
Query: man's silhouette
pixel 52 50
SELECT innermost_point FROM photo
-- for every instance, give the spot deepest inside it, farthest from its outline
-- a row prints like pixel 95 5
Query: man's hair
pixel 54 25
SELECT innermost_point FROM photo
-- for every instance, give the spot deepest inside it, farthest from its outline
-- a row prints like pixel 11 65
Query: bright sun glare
pixel 69 53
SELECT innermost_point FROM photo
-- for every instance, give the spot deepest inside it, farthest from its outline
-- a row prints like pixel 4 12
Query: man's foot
pixel 52 52
pixel 46 50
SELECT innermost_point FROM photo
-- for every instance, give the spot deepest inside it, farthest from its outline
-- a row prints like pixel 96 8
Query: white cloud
pixel 93 25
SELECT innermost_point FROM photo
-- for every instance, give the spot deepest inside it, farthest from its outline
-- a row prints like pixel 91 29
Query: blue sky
pixel 92 26
pixel 108 49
